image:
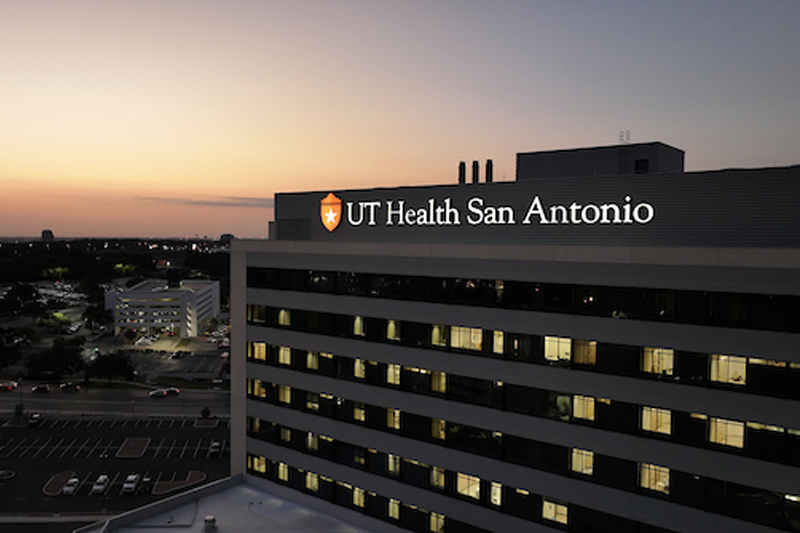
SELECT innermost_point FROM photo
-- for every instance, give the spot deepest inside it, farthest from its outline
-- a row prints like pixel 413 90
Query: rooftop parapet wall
pixel 741 208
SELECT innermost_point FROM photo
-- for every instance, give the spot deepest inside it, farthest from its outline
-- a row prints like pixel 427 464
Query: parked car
pixel 145 486
pixel 215 450
pixel 8 385
pixel 40 388
pixel 69 387
pixel 71 486
pixel 131 483
pixel 101 484
pixel 34 420
pixel 173 391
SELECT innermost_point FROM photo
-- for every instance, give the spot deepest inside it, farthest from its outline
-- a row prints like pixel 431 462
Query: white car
pixel 100 484
pixel 71 486
pixel 131 483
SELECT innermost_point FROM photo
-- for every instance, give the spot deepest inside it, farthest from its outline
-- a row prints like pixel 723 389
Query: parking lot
pixel 172 453
pixel 37 444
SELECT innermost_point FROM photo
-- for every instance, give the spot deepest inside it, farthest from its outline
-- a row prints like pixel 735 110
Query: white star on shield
pixel 330 216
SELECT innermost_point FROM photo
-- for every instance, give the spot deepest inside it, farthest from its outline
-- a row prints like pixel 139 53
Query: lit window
pixel 312 401
pixel 653 477
pixel 312 481
pixel 358 497
pixel 769 362
pixel 729 369
pixel 284 394
pixel 393 374
pixel 284 317
pixel 258 351
pixel 393 418
pixel 285 355
pixel 259 464
pixel 438 427
pixel 467 485
pixel 439 382
pixel 436 523
pixel 312 361
pixel 393 464
pixel 657 420
pixel 764 427
pixel 557 349
pixel 359 414
pixel 286 434
pixel 584 352
pixel 283 471
pixel 583 407
pixel 726 432
pixel 498 342
pixel 658 361
pixel 466 338
pixel 358 326
pixel 358 456
pixel 437 477
pixel 394 509
pixel 359 368
pixel 582 461
pixel 439 335
pixel 312 441
pixel 258 389
pixel 393 330
pixel 496 494
pixel 556 512
pixel 257 313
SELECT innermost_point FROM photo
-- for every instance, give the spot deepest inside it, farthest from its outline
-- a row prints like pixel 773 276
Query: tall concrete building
pixel 579 351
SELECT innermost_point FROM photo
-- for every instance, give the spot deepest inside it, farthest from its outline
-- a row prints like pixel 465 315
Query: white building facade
pixel 152 306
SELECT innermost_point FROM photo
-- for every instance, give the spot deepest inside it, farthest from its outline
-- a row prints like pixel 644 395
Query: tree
pixel 57 322
pixel 116 364
pixel 64 358
pixel 22 299
pixel 94 292
pixel 9 354
pixel 96 315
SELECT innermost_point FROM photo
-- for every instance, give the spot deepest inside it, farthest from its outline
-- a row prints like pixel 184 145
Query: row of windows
pixel 738 310
pixel 517 502
pixel 754 439
pixel 651 477
pixel 747 503
pixel 752 375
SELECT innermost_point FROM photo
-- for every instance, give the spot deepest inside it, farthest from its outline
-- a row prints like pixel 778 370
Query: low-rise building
pixel 178 308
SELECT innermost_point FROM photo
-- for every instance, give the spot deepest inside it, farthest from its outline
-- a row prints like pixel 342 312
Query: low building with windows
pixel 575 350
pixel 178 308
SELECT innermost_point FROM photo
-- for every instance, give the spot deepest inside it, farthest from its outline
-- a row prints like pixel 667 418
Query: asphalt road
pixel 128 401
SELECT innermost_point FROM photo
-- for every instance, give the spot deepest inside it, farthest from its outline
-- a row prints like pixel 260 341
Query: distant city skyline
pixel 177 119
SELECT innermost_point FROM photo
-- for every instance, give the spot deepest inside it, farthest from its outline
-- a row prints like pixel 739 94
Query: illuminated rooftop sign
pixel 477 211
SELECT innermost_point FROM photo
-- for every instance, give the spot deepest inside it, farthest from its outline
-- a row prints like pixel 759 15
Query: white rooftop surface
pixel 240 509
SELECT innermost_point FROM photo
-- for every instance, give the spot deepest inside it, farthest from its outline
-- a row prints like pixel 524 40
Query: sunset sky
pixel 166 118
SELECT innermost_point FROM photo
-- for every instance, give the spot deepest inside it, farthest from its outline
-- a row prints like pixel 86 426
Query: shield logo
pixel 330 211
